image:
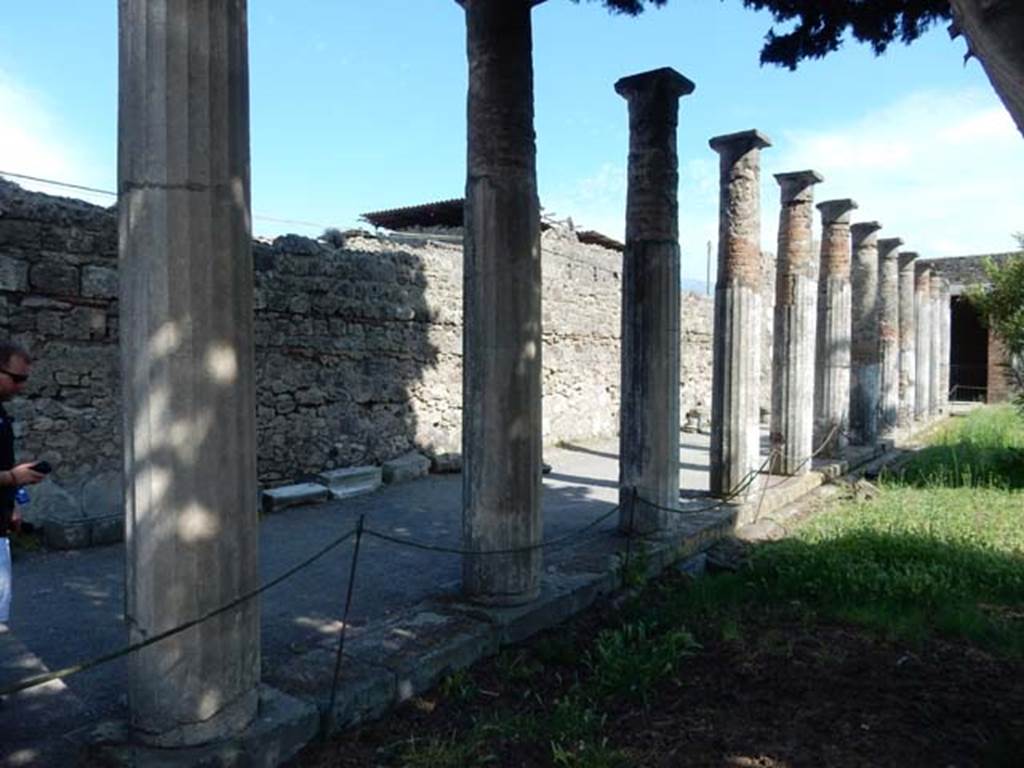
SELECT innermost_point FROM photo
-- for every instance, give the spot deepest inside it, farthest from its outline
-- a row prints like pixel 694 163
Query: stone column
pixel 736 371
pixel 944 345
pixel 935 363
pixel 649 415
pixel 888 333
pixel 186 296
pixel 501 382
pixel 923 347
pixel 796 286
pixel 865 376
pixel 832 371
pixel 908 340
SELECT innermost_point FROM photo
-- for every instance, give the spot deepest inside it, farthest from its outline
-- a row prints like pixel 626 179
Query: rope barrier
pixel 740 487
pixel 33 681
pixel 359 532
pixel 560 541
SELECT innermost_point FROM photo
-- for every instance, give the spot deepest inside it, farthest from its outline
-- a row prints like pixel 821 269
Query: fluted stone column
pixel 923 347
pixel 501 395
pixel 736 369
pixel 865 376
pixel 908 340
pixel 186 297
pixel 888 333
pixel 649 415
pixel 935 363
pixel 944 344
pixel 832 368
pixel 796 287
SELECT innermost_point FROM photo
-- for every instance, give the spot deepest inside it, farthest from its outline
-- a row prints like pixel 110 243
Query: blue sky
pixel 358 106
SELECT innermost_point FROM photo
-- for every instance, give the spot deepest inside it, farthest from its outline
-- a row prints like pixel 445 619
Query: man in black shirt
pixel 15 363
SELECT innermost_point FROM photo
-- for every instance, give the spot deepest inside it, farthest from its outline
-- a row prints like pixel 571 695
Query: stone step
pixel 276 499
pixel 351 481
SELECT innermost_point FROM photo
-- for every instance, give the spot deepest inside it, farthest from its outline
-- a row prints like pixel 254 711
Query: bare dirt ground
pixel 771 689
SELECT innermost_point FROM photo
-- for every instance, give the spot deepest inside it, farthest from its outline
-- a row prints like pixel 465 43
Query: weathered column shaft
pixel 736 370
pixel 865 376
pixel 923 348
pixel 944 345
pixel 908 340
pixel 832 353
pixel 888 333
pixel 796 286
pixel 935 362
pixel 186 296
pixel 649 415
pixel 501 427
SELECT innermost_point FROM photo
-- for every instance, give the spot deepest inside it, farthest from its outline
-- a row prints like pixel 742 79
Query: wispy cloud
pixel 33 142
pixel 942 170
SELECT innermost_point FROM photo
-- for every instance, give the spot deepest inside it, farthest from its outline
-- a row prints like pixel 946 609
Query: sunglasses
pixel 17 378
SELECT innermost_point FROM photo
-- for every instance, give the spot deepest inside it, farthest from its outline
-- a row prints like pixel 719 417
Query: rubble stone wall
pixel 358 348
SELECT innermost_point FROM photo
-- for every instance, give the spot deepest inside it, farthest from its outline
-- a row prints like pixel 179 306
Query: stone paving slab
pixel 423 645
pixel 43 711
pixel 282 727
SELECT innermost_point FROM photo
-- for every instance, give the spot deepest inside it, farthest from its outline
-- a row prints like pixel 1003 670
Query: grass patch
pixel 985 449
pixel 939 551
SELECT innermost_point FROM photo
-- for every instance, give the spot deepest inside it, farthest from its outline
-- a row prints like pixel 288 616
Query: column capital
pixel 907 259
pixel 793 183
pixel 836 211
pixel 665 81
pixel 887 247
pixel 740 142
pixel 864 229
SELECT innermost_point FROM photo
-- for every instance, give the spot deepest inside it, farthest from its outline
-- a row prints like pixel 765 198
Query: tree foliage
pixel 1002 306
pixel 818 26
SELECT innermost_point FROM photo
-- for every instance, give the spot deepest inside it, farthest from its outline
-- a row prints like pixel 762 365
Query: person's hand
pixel 23 474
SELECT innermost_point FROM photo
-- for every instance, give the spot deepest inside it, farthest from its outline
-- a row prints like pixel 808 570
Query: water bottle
pixel 21 495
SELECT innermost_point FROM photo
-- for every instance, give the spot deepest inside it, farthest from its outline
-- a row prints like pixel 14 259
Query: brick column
pixel 735 432
pixel 796 278
pixel 923 347
pixel 832 368
pixel 649 426
pixel 865 376
pixel 501 384
pixel 187 367
pixel 908 340
pixel 888 333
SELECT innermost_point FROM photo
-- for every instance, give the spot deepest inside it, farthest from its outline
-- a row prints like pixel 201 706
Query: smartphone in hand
pixel 43 467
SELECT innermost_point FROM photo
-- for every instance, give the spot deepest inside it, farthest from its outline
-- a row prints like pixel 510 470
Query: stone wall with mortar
pixel 358 347
pixel 58 297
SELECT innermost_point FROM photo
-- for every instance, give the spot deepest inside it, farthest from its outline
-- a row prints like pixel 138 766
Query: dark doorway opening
pixel 968 352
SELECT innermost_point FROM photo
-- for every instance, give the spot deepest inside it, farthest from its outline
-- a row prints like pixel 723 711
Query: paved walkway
pixel 68 606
